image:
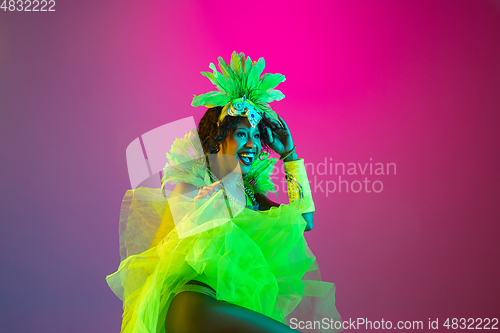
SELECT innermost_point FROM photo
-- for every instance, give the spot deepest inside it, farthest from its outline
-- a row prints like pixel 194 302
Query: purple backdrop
pixel 410 83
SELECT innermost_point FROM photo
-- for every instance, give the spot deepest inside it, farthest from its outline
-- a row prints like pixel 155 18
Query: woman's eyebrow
pixel 247 129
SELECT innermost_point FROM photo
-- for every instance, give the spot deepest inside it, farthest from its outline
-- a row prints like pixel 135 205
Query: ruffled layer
pixel 257 260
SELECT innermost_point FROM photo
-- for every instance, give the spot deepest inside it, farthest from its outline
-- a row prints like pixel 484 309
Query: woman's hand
pixel 278 134
pixel 208 190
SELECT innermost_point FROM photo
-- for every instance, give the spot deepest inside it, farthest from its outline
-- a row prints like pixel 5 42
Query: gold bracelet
pixel 288 154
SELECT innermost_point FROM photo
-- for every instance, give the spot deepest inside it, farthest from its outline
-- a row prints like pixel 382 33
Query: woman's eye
pixel 243 135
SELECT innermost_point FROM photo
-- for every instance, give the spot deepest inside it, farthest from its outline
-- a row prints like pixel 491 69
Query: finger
pixel 285 126
pixel 217 185
pixel 269 135
pixel 276 124
pixel 272 122
pixel 278 128
pixel 206 188
pixel 200 195
pixel 206 191
pixel 279 132
pixel 267 120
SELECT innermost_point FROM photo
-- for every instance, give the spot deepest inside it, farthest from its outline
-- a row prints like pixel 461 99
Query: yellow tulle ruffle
pixel 259 260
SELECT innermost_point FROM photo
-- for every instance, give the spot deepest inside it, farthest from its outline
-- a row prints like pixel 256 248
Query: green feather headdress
pixel 242 88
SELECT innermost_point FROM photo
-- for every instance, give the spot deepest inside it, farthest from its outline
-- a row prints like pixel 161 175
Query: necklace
pixel 255 204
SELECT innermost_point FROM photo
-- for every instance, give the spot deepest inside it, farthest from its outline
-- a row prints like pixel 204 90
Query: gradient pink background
pixel 412 83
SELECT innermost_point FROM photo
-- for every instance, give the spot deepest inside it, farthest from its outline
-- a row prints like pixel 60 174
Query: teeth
pixel 247 158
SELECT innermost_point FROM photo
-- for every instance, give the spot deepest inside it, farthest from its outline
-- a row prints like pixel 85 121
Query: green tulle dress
pixel 259 260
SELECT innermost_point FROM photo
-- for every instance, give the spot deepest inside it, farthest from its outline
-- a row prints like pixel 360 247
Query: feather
pixel 212 79
pixel 224 67
pixel 241 76
pixel 227 68
pixel 254 75
pixel 273 95
pixel 236 63
pixel 211 99
pixel 270 81
pixel 246 70
pixel 267 109
pixel 186 161
pixel 248 65
pixel 241 73
pixel 260 172
pixel 221 81
pixel 233 82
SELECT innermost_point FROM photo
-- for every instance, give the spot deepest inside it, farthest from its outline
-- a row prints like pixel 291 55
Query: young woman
pixel 225 258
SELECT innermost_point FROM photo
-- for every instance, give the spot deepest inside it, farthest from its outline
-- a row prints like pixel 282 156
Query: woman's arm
pixel 309 217
pixel 265 204
pixel 280 140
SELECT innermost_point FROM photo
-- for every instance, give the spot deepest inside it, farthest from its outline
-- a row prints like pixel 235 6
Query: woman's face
pixel 241 146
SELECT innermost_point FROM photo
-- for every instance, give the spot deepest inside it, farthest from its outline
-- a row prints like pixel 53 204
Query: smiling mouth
pixel 246 158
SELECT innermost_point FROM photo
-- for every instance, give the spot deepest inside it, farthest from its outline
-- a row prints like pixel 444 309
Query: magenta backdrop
pixel 411 83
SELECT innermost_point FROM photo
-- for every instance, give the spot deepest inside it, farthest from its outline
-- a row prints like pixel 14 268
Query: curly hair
pixel 212 136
